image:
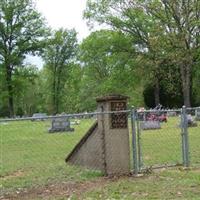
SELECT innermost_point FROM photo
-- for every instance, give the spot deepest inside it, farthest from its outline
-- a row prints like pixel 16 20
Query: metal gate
pixel 194 137
pixel 161 138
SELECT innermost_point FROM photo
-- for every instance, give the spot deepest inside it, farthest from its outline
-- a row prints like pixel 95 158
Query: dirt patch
pixel 62 189
pixel 66 190
pixel 197 169
pixel 15 174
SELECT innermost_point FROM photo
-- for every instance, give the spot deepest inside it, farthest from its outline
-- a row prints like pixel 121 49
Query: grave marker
pixel 190 121
pixel 61 124
pixel 148 125
pixel 197 114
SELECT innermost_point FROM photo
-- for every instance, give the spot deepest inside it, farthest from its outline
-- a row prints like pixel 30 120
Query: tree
pixel 71 101
pixel 196 79
pixel 59 57
pixel 129 17
pixel 162 29
pixel 26 91
pixel 21 31
pixel 109 66
pixel 180 20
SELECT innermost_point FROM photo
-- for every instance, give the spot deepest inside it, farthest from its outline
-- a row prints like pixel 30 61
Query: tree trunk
pixel 10 91
pixel 54 96
pixel 57 94
pixel 186 84
pixel 54 92
pixel 157 92
pixel 58 91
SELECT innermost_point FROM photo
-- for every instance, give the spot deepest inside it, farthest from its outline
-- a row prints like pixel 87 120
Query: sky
pixel 62 13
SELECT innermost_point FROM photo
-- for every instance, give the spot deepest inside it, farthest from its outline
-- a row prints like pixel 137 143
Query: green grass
pixel 163 146
pixel 168 184
pixel 30 157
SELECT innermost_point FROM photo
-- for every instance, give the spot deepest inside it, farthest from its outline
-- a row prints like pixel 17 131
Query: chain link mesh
pixel 32 155
pixel 159 138
pixel 194 135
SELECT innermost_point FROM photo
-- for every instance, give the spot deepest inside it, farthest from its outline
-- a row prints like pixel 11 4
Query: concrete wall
pixel 88 152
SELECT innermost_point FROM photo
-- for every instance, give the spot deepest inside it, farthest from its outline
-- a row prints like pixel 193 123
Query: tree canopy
pixel 22 30
pixel 148 50
pixel 59 57
pixel 162 30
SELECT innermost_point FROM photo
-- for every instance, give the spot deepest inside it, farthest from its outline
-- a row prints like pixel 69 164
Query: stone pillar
pixel 115 134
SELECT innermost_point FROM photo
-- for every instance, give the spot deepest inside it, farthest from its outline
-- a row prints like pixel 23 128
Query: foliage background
pixel 143 53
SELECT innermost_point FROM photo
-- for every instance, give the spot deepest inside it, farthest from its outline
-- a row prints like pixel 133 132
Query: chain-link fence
pixel 167 138
pixel 39 150
pixel 34 150
pixel 159 139
pixel 194 135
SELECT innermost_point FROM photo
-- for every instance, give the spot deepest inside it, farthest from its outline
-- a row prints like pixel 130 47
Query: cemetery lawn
pixel 164 184
pixel 33 161
pixel 31 157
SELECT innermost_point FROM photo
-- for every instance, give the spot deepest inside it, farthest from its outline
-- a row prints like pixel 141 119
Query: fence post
pixel 139 143
pixel 185 137
pixel 103 141
pixel 134 142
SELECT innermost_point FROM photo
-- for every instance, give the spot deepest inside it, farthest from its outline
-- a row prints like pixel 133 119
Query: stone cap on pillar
pixel 112 97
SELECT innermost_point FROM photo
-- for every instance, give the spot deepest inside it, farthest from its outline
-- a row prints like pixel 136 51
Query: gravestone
pixel 148 125
pixel 75 122
pixel 197 114
pixel 39 117
pixel 190 121
pixel 171 114
pixel 61 124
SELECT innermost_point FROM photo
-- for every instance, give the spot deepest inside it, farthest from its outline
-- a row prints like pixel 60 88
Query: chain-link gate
pixel 34 149
pixel 194 136
pixel 163 138
pixel 160 141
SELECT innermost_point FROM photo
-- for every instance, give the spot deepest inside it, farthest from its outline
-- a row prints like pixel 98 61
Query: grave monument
pixel 197 114
pixel 60 124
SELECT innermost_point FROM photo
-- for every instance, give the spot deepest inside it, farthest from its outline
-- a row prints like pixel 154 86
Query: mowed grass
pixel 31 157
pixel 167 184
pixel 164 146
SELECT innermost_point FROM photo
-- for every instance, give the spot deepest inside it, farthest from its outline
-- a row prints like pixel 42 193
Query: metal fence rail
pixel 194 137
pixel 166 138
pixel 34 152
pixel 158 143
